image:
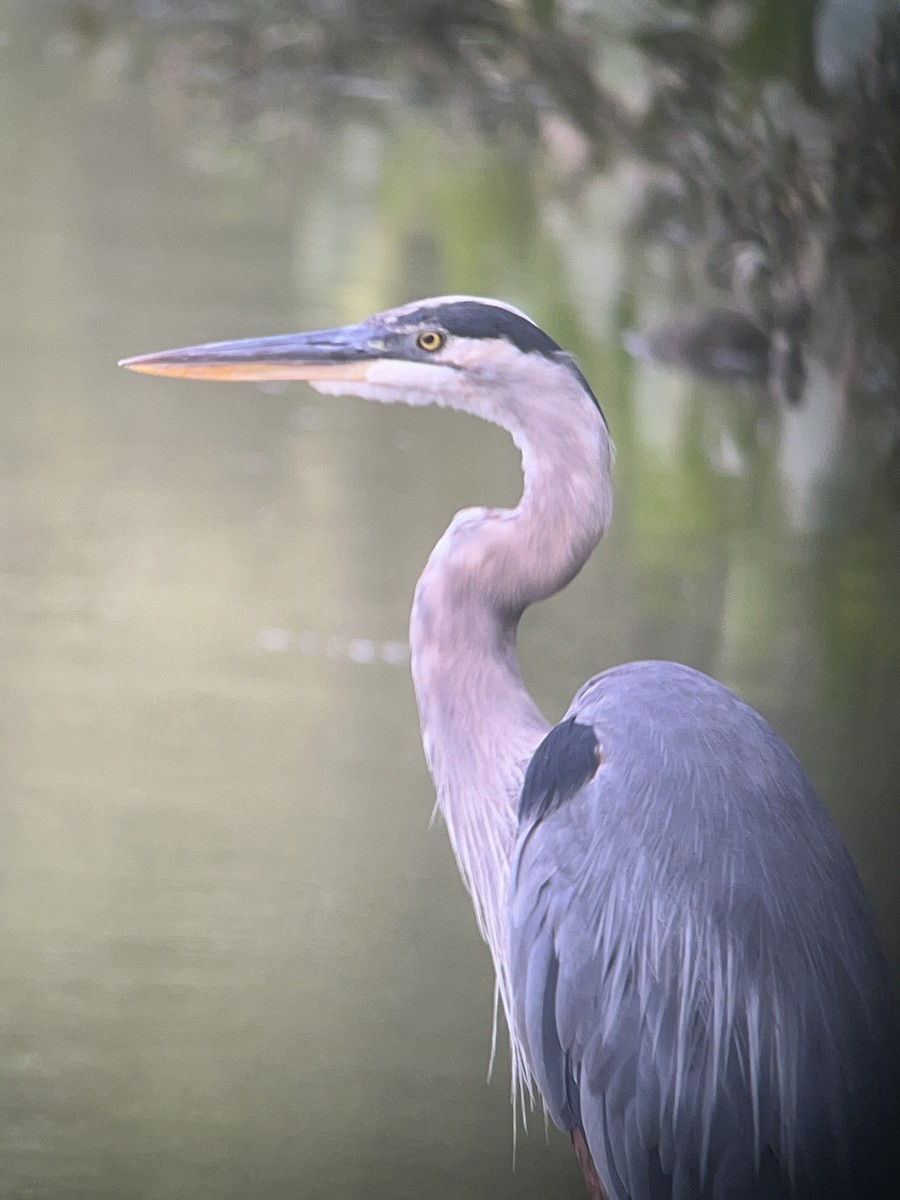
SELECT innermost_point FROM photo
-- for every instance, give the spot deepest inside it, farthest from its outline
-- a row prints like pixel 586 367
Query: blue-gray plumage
pixel 684 953
pixel 732 1042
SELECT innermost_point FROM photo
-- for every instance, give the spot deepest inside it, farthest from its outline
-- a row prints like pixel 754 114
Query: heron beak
pixel 332 354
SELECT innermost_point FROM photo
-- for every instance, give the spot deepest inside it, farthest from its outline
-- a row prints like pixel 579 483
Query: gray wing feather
pixel 697 978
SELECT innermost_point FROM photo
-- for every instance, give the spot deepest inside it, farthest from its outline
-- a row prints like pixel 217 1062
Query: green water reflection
pixel 235 960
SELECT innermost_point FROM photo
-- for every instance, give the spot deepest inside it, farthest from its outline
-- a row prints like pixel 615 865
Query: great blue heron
pixel 686 958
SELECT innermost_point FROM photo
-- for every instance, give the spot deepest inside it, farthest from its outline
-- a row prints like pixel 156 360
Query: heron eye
pixel 430 340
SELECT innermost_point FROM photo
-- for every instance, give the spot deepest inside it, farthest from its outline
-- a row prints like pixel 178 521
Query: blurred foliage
pixel 774 191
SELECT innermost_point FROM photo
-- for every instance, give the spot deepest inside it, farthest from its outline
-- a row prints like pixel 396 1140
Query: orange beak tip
pixel 135 364
pixel 248 371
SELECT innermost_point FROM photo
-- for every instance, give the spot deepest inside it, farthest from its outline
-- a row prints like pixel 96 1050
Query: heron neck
pixel 480 726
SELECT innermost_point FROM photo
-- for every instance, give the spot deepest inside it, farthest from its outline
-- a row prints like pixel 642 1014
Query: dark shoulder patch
pixel 471 319
pixel 562 764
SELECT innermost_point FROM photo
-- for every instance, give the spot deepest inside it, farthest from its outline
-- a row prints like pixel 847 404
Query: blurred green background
pixel 235 957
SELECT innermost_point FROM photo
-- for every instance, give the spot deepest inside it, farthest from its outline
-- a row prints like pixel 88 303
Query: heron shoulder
pixel 689 936
pixel 563 763
pixel 698 796
pixel 669 728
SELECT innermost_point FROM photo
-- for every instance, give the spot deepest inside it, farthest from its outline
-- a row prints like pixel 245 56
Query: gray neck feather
pixel 480 726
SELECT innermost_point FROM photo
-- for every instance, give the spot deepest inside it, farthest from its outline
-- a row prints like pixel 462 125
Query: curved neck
pixel 480 726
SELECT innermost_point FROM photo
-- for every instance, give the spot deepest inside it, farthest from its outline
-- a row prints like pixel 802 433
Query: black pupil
pixel 430 341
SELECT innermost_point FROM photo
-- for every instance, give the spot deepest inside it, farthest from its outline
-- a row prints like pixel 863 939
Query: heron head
pixel 458 351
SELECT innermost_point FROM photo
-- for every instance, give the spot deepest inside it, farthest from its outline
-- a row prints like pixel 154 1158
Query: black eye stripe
pixel 473 319
pixel 478 319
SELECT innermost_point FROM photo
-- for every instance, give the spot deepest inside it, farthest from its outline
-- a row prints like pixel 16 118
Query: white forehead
pixel 440 301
